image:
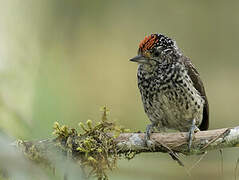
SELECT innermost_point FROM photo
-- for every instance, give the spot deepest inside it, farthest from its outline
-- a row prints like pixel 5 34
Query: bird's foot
pixel 193 129
pixel 150 144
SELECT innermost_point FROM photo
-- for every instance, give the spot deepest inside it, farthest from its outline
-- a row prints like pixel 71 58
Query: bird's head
pixel 154 49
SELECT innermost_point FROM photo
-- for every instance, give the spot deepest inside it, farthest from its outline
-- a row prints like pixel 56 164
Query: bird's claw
pixel 193 129
pixel 149 143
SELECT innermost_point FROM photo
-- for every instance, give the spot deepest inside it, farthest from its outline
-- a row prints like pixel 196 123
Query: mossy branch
pixel 99 146
pixel 177 142
pixel 130 144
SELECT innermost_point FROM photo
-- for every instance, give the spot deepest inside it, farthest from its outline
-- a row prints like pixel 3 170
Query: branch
pixel 177 142
pixel 99 149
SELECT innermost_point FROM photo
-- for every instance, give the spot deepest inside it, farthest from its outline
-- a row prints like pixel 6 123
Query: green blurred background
pixel 62 60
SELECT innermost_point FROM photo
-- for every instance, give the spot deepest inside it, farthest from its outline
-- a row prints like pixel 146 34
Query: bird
pixel 171 89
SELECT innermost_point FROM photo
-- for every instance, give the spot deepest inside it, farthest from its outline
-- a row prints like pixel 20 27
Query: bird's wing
pixel 195 77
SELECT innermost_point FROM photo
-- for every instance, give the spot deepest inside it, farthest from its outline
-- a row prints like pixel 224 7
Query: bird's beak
pixel 139 59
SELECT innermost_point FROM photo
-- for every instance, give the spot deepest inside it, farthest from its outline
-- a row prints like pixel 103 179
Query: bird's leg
pixel 149 129
pixel 192 131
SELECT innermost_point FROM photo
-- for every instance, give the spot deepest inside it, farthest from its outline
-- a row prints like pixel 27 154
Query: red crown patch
pixel 148 42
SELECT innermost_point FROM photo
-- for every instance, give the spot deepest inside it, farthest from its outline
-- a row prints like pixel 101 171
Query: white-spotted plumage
pixel 172 91
pixel 170 100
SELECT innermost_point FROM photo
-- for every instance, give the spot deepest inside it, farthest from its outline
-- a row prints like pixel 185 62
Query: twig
pixel 221 163
pixel 236 168
pixel 197 162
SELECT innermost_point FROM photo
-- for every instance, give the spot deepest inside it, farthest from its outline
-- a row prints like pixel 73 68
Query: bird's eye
pixel 156 54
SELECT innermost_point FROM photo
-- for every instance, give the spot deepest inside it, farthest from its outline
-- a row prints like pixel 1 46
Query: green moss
pixel 34 153
pixel 94 148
